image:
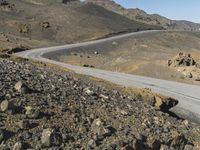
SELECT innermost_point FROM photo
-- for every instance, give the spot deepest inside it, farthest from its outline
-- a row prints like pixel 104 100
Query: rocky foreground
pixel 43 110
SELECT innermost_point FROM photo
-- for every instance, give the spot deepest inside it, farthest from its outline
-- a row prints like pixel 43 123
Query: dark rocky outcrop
pixel 187 65
pixel 182 59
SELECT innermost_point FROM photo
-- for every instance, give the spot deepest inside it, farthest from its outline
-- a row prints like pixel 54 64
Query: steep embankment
pixel 41 109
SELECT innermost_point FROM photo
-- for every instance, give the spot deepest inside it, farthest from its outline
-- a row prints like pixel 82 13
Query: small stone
pixel 165 147
pixel 104 96
pixel 64 138
pixel 179 141
pixel 45 24
pixel 126 148
pixel 6 105
pixel 153 143
pixel 1 135
pixel 186 122
pixel 31 112
pixel 114 43
pixel 197 65
pixel 197 78
pixel 139 145
pixel 18 146
pixel 91 143
pixel 21 88
pixel 169 62
pixel 189 147
pixel 188 74
pixel 96 53
pixel 123 112
pixel 18 86
pixel 88 91
pixel 8 96
pixel 25 135
pixel 50 138
pixel 23 124
pixel 98 128
pixel 158 101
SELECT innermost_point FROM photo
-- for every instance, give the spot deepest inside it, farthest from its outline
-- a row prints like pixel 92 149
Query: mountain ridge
pixel 141 16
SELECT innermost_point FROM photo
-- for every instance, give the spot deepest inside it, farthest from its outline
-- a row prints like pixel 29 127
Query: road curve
pixel 187 95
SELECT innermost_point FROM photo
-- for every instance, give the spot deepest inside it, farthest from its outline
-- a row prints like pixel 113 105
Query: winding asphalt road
pixel 187 95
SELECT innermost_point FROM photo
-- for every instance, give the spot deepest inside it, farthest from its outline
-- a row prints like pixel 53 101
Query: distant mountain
pixel 142 16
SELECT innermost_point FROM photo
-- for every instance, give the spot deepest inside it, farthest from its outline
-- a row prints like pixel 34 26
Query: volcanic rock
pixel 6 105
pixel 91 143
pixel 164 103
pixel 88 91
pixel 197 78
pixel 1 135
pixel 23 29
pixel 188 74
pixel 187 65
pixel 179 142
pixel 98 128
pixel 18 146
pixel 67 1
pixel 21 87
pixel 182 59
pixel 3 2
pixel 51 138
pixel 23 124
pixel 153 143
pixel 31 112
pixel 45 24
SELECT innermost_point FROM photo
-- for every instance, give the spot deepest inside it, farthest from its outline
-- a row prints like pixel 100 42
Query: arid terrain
pixel 142 55
pixel 40 23
pixel 41 109
pixel 141 16
pixel 44 106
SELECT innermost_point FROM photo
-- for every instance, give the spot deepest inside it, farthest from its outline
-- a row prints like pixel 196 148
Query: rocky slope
pixel 51 22
pixel 42 110
pixel 141 16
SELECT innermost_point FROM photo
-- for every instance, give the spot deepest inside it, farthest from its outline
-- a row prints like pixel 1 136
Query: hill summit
pixel 141 16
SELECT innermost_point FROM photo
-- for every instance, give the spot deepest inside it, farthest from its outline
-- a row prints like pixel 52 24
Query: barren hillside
pixel 141 16
pixel 43 22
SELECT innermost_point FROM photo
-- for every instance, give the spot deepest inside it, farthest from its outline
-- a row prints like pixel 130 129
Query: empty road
pixel 187 95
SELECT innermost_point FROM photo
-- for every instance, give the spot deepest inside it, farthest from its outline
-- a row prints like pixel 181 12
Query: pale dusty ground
pixel 145 56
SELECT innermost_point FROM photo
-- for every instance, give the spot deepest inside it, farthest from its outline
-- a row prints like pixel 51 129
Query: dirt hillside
pixel 37 23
